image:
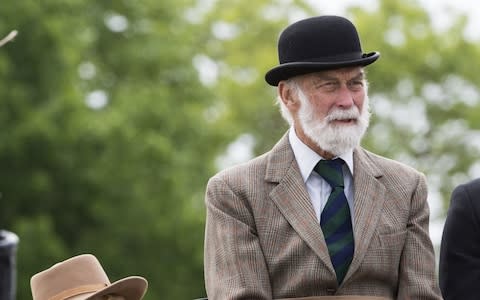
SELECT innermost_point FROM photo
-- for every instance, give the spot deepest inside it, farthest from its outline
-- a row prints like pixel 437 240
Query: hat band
pixel 78 290
pixel 325 59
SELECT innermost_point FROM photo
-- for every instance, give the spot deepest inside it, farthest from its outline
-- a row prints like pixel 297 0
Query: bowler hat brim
pixel 288 70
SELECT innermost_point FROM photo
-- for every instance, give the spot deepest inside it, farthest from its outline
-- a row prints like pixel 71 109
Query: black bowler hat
pixel 316 44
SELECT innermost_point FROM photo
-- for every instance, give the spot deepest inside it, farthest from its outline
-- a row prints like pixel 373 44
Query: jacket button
pixel 331 291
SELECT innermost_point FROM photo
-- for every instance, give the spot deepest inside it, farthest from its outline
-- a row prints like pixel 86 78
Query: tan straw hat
pixel 339 298
pixel 8 38
pixel 83 278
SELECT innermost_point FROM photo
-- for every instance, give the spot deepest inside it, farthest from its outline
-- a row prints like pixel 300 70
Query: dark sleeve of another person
pixel 459 269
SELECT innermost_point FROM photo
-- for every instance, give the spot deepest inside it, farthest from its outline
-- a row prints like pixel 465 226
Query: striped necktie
pixel 335 219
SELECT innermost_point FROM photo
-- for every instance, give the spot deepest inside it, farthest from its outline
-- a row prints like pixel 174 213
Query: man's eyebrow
pixel 360 75
pixel 323 76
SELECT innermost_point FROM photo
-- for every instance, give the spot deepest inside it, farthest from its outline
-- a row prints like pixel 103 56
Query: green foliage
pixel 109 135
pixel 123 180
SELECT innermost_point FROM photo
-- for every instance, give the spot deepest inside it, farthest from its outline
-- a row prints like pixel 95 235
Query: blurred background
pixel 114 114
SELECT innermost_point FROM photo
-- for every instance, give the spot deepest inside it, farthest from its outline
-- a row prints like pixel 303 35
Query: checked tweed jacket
pixel 263 240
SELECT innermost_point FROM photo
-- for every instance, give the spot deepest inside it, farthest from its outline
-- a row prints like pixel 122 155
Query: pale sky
pixel 442 11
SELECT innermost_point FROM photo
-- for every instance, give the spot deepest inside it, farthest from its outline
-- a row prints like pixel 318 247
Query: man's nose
pixel 345 97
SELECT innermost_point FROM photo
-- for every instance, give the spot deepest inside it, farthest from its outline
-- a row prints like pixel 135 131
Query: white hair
pixel 287 116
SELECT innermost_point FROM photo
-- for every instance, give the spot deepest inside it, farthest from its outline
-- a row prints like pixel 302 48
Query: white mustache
pixel 342 114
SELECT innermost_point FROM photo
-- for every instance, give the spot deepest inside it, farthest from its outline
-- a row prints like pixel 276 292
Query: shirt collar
pixel 307 158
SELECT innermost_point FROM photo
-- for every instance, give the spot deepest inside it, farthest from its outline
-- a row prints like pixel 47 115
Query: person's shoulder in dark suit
pixel 459 269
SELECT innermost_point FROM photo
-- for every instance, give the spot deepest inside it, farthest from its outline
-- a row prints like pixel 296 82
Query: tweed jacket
pixel 263 240
pixel 460 249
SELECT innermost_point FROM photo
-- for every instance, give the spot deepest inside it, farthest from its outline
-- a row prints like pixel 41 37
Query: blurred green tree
pixel 105 144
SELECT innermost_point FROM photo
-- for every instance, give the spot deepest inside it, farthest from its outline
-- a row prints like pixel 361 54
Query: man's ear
pixel 287 94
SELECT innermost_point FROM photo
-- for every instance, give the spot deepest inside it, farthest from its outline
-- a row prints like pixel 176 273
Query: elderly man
pixel 319 215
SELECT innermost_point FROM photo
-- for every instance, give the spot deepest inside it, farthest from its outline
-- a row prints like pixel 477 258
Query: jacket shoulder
pixel 473 186
pixel 386 165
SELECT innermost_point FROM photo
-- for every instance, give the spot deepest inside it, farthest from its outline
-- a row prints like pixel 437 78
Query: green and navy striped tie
pixel 335 219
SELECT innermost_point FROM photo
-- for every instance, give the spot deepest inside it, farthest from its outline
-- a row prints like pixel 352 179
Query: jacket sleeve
pixel 233 259
pixel 460 248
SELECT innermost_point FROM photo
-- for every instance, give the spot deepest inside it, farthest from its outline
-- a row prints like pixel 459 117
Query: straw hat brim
pixel 132 288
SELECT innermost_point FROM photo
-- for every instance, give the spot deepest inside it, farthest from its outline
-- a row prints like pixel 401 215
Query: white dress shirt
pixel 317 187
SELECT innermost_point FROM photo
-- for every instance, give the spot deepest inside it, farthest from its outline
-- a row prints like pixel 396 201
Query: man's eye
pixel 328 84
pixel 356 84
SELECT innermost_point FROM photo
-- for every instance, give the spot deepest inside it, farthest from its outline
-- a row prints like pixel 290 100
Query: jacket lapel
pixel 292 199
pixel 369 197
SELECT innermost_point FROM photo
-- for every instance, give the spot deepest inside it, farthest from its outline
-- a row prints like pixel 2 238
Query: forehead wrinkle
pixel 346 76
pixel 338 74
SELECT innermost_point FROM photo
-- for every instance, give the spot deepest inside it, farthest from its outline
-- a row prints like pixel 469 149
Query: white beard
pixel 335 139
